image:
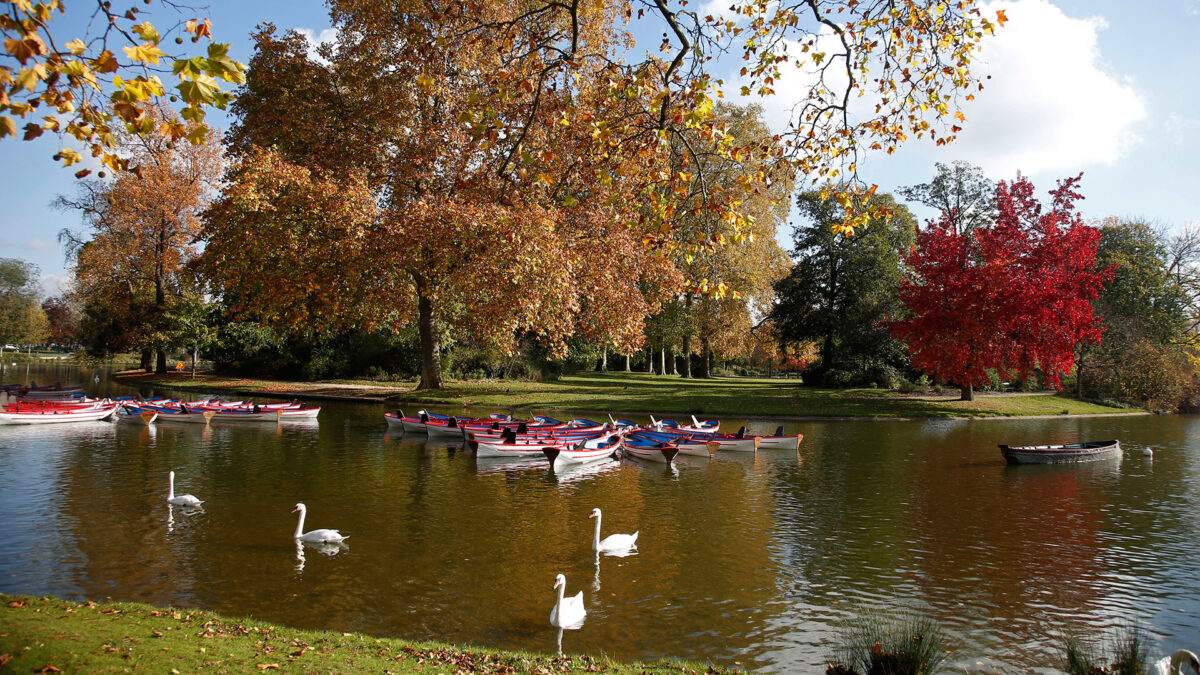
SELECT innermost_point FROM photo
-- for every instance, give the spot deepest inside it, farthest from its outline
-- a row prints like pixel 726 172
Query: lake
pixel 747 560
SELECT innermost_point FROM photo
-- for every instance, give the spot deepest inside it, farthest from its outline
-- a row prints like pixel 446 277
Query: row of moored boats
pixel 582 440
pixel 42 405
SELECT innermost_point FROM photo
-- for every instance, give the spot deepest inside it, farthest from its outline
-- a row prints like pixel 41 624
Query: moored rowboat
pixel 54 415
pixel 1061 454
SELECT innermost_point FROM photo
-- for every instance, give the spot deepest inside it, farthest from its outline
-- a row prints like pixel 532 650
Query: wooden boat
pixel 512 445
pixel 54 415
pixel 1061 454
pixel 181 415
pixel 141 417
pixel 649 450
pixel 585 451
pixel 246 416
pixel 780 441
pixel 686 446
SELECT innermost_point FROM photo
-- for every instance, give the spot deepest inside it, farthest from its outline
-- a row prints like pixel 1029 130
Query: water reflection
pixel 324 548
pixel 758 558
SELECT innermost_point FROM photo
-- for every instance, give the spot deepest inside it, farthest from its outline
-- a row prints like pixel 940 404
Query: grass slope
pixel 642 393
pixel 47 635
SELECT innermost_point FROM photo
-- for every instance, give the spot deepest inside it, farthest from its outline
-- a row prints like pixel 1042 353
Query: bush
pixel 884 376
pixel 836 378
pixel 888 646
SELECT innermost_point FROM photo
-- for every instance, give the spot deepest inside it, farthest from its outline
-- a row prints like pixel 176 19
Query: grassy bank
pixel 52 635
pixel 642 393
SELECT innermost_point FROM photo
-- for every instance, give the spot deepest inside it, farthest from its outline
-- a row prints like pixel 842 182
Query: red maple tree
pixel 1012 296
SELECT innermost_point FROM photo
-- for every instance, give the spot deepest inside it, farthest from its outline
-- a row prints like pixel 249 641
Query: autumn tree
pixel 102 85
pixel 1145 311
pixel 22 320
pixel 141 233
pixel 61 317
pixel 843 286
pixel 1012 296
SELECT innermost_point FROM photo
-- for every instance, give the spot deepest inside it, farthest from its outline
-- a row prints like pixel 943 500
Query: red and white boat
pixel 55 415
pixel 592 450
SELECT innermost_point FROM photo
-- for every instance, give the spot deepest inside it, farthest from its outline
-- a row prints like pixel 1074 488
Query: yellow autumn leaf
pixel 8 127
pixel 70 156
pixel 144 53
pixel 76 46
pixel 146 32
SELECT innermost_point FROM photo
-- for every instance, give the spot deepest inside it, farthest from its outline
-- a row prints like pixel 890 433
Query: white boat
pixel 52 415
pixel 780 441
pixel 663 453
pixel 190 417
pixel 240 416
pixel 142 417
pixel 583 452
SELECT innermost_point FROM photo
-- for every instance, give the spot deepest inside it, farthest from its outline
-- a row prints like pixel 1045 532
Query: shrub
pixel 836 378
pixel 892 646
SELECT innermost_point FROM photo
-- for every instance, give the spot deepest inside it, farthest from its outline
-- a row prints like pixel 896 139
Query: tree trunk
pixel 968 393
pixel 662 356
pixel 1079 379
pixel 687 356
pixel 650 360
pixel 604 360
pixel 670 361
pixel 431 356
pixel 147 360
pixel 195 358
pixel 627 359
pixel 704 371
pixel 160 301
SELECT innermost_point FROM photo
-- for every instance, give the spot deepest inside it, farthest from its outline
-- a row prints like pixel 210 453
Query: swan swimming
pixel 181 500
pixel 315 536
pixel 613 542
pixel 567 612
pixel 1173 664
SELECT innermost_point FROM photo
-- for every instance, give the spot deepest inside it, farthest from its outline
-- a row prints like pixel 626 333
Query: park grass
pixel 47 635
pixel 640 393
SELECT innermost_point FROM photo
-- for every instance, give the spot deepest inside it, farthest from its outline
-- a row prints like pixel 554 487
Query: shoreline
pixel 397 396
pixel 47 634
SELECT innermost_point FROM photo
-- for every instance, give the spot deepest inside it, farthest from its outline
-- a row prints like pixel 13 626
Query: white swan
pixel 567 612
pixel 181 500
pixel 316 536
pixel 613 542
pixel 1173 664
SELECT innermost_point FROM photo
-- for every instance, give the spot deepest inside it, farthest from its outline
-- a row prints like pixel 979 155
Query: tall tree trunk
pixel 146 360
pixel 687 337
pixel 968 393
pixel 662 359
pixel 195 358
pixel 627 359
pixel 431 355
pixel 704 370
pixel 604 360
pixel 160 301
pixel 1079 378
pixel 670 361
pixel 650 360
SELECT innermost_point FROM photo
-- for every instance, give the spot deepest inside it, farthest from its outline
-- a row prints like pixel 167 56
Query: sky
pixel 1106 88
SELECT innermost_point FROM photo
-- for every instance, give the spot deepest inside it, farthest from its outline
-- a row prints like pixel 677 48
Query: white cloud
pixel 1051 104
pixel 1180 128
pixel 316 39
pixel 54 284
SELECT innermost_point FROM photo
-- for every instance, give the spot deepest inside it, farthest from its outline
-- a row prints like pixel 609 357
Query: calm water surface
pixel 751 560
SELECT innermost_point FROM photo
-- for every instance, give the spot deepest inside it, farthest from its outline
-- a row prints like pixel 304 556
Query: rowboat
pixel 54 415
pixel 246 416
pixel 1061 454
pixel 780 441
pixel 649 450
pixel 141 417
pixel 686 446
pixel 180 415
pixel 592 450
pixel 512 445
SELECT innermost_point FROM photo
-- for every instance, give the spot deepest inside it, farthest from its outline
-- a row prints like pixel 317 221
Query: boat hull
pixel 58 416
pixel 1072 453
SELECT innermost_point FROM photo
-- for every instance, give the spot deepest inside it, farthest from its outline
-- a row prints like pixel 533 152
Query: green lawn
pixel 51 635
pixel 643 393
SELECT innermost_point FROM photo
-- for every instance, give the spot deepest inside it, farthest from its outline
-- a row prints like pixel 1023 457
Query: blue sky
pixel 1103 87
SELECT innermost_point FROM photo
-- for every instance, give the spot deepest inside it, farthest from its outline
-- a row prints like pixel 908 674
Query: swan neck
pixel 596 534
pixel 561 590
pixel 300 524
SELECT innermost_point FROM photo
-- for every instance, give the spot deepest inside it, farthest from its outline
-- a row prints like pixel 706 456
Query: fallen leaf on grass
pixel 268 666
pixel 156 634
pixel 17 604
pixel 5 658
pixel 47 669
